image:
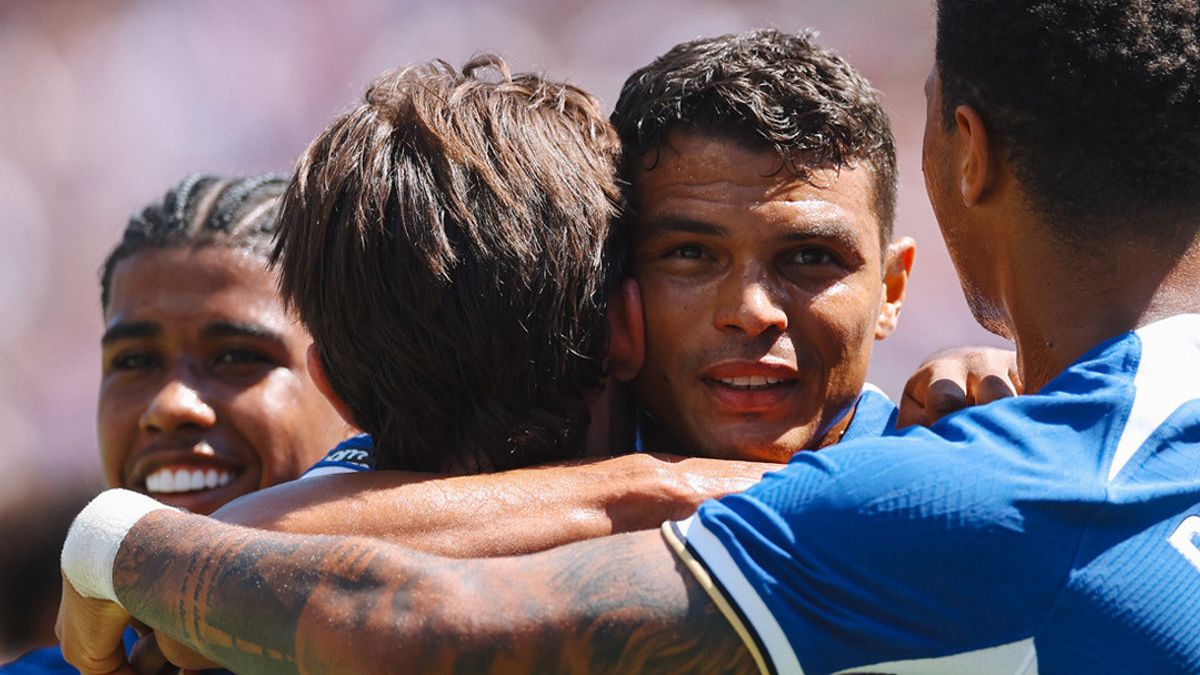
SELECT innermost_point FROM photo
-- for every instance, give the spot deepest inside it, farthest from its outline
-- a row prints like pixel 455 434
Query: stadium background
pixel 104 104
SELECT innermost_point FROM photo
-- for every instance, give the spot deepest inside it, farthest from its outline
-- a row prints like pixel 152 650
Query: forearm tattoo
pixel 258 601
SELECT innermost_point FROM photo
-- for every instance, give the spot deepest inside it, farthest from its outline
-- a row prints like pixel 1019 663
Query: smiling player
pixel 204 393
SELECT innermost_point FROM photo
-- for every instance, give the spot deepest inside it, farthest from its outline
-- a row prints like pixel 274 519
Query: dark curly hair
pixel 765 89
pixel 443 242
pixel 1096 101
pixel 203 210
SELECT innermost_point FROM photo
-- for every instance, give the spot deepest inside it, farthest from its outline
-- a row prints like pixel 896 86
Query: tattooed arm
pixel 508 513
pixel 266 602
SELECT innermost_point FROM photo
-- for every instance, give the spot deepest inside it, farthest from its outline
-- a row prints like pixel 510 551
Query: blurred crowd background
pixel 105 103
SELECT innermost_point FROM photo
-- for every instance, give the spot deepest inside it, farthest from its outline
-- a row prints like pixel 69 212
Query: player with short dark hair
pixel 762 174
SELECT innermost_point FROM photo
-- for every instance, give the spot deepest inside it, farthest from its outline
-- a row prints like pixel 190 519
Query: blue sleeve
pixel 892 549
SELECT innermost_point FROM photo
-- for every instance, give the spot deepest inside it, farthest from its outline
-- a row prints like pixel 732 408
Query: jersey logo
pixel 1184 540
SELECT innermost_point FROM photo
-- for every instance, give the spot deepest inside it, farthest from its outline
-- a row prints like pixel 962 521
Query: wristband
pixel 90 551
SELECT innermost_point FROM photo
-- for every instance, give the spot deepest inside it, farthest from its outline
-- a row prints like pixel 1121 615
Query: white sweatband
pixel 90 551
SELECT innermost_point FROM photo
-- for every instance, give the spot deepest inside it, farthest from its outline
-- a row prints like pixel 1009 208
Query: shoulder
pixel 874 415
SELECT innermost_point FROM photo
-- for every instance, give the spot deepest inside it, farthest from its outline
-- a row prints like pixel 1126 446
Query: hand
pixel 90 633
pixel 953 379
pixel 160 654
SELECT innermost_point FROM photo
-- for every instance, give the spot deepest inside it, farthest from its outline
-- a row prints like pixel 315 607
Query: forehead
pixel 189 286
pixel 714 178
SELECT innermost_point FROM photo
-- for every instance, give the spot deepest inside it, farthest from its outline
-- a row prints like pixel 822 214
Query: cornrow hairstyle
pixel 444 244
pixel 203 210
pixel 764 89
pixel 1095 102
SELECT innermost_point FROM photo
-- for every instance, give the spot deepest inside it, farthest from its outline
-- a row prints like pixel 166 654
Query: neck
pixel 1062 302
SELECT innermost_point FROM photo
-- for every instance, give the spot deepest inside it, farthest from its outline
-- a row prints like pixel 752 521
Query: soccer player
pixel 1054 532
pixel 204 390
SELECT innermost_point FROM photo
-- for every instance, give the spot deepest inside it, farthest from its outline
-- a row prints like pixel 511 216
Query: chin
pixel 767 451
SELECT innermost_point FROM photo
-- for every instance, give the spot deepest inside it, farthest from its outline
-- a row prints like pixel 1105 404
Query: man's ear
pixel 975 172
pixel 626 331
pixel 317 372
pixel 897 265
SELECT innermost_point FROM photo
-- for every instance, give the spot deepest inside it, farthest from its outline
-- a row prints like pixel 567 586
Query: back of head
pixel 203 210
pixel 765 89
pixel 444 244
pixel 1097 103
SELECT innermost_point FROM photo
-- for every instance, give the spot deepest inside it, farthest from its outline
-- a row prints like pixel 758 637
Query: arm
pixel 508 513
pixel 956 378
pixel 267 602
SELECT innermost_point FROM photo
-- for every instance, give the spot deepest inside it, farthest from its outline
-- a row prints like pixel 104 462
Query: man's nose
pixel 177 405
pixel 750 303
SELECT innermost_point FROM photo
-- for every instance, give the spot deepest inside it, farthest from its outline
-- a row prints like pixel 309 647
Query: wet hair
pixel 443 242
pixel 1097 103
pixel 764 89
pixel 203 210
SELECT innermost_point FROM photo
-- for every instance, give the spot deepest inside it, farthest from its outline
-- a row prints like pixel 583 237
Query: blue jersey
pixel 50 660
pixel 1055 533
pixel 351 455
pixel 874 416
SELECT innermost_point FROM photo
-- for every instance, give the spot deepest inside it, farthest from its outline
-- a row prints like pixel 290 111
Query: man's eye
pixel 237 357
pixel 687 252
pixel 134 361
pixel 813 256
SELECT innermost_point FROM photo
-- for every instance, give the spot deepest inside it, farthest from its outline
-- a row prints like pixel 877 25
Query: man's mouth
pixel 742 387
pixel 176 479
pixel 750 382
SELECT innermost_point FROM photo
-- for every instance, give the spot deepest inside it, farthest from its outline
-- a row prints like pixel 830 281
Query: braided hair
pixel 203 210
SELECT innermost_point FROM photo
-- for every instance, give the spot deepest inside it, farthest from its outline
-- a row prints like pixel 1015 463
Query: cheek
pixel 278 420
pixel 116 428
pixel 843 319
pixel 672 315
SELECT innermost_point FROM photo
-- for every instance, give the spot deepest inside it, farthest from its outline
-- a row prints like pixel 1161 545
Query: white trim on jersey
pixel 742 593
pixel 329 470
pixel 1015 658
pixel 1168 376
pixel 867 386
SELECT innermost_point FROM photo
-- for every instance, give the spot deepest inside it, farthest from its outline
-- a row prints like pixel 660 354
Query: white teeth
pixel 168 480
pixel 750 381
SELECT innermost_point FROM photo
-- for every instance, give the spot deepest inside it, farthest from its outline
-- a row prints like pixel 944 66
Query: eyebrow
pixel 130 331
pixel 836 231
pixel 677 224
pixel 843 233
pixel 136 330
pixel 219 329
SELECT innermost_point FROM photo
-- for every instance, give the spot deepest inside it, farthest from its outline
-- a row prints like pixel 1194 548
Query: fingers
pixel 89 631
pixel 991 388
pixel 146 659
pixel 956 378
pixel 929 400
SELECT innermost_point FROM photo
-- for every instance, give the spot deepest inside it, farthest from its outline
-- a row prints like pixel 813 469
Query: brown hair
pixel 444 244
